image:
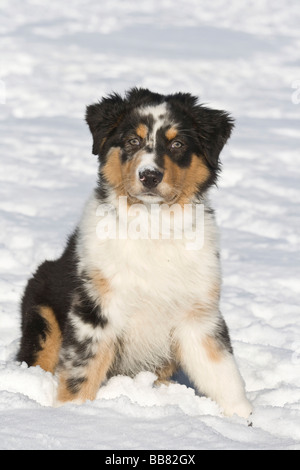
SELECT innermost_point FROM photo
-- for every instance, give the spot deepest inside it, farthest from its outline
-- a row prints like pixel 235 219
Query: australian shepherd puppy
pixel 138 285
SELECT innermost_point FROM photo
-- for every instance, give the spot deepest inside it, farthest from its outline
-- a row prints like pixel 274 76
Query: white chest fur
pixel 153 283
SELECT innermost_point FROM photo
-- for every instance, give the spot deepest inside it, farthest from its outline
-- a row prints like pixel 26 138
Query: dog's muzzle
pixel 150 178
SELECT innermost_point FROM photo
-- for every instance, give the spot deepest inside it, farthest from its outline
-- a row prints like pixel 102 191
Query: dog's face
pixel 154 148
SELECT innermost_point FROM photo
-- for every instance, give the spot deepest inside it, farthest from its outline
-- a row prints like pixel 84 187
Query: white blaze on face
pixel 159 114
pixel 147 163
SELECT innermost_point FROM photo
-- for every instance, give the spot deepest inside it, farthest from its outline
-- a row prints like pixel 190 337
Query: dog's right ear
pixel 103 118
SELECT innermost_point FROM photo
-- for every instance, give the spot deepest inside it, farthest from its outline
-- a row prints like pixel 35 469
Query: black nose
pixel 150 178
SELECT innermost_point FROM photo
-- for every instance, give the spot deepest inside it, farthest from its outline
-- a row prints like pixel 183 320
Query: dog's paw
pixel 243 409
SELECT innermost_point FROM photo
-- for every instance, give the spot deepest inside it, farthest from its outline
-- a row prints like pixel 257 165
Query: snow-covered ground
pixel 55 58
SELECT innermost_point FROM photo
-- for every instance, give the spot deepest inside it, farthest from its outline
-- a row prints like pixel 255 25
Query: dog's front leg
pixel 82 369
pixel 205 353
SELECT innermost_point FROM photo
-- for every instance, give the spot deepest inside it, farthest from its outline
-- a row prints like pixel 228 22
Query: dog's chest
pixel 150 286
pixel 151 277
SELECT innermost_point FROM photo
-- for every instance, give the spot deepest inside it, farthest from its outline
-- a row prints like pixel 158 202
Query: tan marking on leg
pixel 199 312
pixel 101 286
pixel 171 133
pixel 100 283
pixel 165 373
pixel 94 375
pixel 142 131
pixel 211 346
pixel 96 372
pixel 212 349
pixel 63 393
pixel 48 357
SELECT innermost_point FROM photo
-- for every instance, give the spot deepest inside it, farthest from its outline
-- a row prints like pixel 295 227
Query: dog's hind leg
pixel 41 338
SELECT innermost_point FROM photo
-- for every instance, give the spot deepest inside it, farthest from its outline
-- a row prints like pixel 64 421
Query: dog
pixel 120 304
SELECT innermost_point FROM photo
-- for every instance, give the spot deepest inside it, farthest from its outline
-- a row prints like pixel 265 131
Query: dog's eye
pixel 176 144
pixel 134 142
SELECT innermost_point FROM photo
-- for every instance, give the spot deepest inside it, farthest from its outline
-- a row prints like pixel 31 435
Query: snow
pixel 56 58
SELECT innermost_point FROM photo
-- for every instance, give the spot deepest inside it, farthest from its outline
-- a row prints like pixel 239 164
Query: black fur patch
pixel 87 310
pixel 222 336
pixel 36 328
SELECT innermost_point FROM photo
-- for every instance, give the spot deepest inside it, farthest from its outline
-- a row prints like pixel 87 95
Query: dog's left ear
pixel 103 119
pixel 214 129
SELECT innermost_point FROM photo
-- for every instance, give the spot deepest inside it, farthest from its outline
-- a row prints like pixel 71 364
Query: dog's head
pixel 154 148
